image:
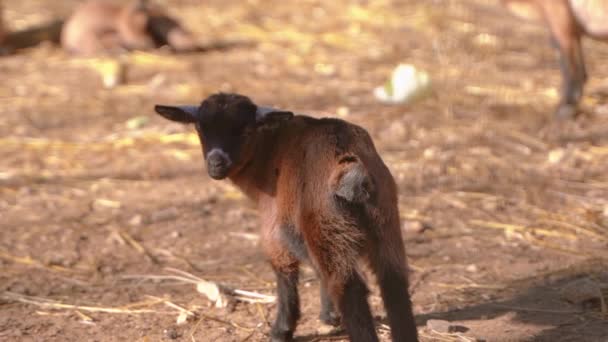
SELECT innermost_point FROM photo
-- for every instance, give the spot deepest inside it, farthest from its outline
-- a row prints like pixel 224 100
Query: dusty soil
pixel 505 210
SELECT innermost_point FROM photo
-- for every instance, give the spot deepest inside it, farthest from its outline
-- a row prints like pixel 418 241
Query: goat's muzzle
pixel 218 164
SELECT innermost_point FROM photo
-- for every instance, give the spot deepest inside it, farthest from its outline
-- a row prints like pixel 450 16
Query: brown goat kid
pixel 99 26
pixel 324 196
pixel 568 21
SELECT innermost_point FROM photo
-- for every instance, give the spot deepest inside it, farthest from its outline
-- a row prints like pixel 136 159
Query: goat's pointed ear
pixel 267 115
pixel 183 114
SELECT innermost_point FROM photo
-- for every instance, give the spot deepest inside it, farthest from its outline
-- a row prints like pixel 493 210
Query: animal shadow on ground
pixel 539 304
pixel 552 301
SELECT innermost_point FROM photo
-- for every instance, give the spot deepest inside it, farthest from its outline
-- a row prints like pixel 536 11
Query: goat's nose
pixel 217 158
pixel 216 161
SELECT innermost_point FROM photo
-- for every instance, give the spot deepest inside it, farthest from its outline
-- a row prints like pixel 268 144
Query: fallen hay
pixel 218 294
pixel 53 304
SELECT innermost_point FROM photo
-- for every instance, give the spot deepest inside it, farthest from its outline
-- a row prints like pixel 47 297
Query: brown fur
pixel 324 196
pixel 568 21
pixel 309 158
pixel 301 195
pixel 99 26
pixel 3 32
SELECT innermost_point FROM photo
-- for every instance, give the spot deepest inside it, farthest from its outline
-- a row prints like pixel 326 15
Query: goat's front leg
pixel 286 268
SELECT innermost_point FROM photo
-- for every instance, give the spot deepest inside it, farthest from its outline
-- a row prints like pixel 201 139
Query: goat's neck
pixel 257 178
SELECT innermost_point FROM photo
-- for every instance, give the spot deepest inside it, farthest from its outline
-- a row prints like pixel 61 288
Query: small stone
pixel 438 326
pixel 397 130
pixel 489 205
pixel 472 268
pixel 414 227
pixel 445 327
pixel 581 290
pixel 171 333
pixel 102 203
pixel 136 220
pixel 555 156
pixel 343 111
pixel 164 215
pixel 182 318
pixel 326 329
pixel 137 122
pixel 601 110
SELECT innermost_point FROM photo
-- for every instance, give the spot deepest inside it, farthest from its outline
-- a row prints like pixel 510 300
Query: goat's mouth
pixel 218 171
pixel 218 175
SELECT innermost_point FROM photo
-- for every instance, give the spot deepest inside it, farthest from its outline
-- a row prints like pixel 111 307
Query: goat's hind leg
pixel 392 279
pixel 350 296
pixel 328 314
pixel 389 265
pixel 288 305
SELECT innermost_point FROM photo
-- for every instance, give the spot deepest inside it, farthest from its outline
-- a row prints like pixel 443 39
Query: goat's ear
pixel 267 115
pixel 183 114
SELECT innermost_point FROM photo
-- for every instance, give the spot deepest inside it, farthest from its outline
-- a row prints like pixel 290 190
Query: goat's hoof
pixel 330 318
pixel 565 112
pixel 281 336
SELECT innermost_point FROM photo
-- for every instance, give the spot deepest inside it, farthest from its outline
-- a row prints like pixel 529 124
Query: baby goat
pixel 324 196
pixel 101 26
pixel 568 21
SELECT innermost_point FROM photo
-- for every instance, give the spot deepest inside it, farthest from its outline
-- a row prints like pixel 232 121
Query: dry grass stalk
pixel 519 308
pixel 214 291
pixel 52 304
pixel 576 228
pixel 514 227
pixel 562 249
pixel 136 245
pixel 29 261
pixel 468 286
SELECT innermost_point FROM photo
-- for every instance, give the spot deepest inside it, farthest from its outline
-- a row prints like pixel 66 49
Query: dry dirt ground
pixel 103 204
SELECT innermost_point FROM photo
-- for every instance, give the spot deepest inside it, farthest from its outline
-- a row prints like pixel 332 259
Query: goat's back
pixel 313 154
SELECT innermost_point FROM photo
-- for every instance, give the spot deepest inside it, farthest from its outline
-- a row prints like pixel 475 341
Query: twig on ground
pixel 52 304
pixel 514 227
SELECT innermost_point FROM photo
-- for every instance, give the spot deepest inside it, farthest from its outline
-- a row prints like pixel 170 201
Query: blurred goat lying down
pixel 99 26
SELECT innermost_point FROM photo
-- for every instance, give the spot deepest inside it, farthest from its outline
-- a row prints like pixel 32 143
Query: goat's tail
pixel 351 181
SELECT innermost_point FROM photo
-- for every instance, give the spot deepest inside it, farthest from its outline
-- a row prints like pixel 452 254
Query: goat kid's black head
pixel 226 125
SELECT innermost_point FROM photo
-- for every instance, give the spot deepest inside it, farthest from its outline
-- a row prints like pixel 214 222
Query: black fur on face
pixel 226 125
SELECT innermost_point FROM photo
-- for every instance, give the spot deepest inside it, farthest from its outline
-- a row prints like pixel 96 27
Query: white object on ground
pixel 405 85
